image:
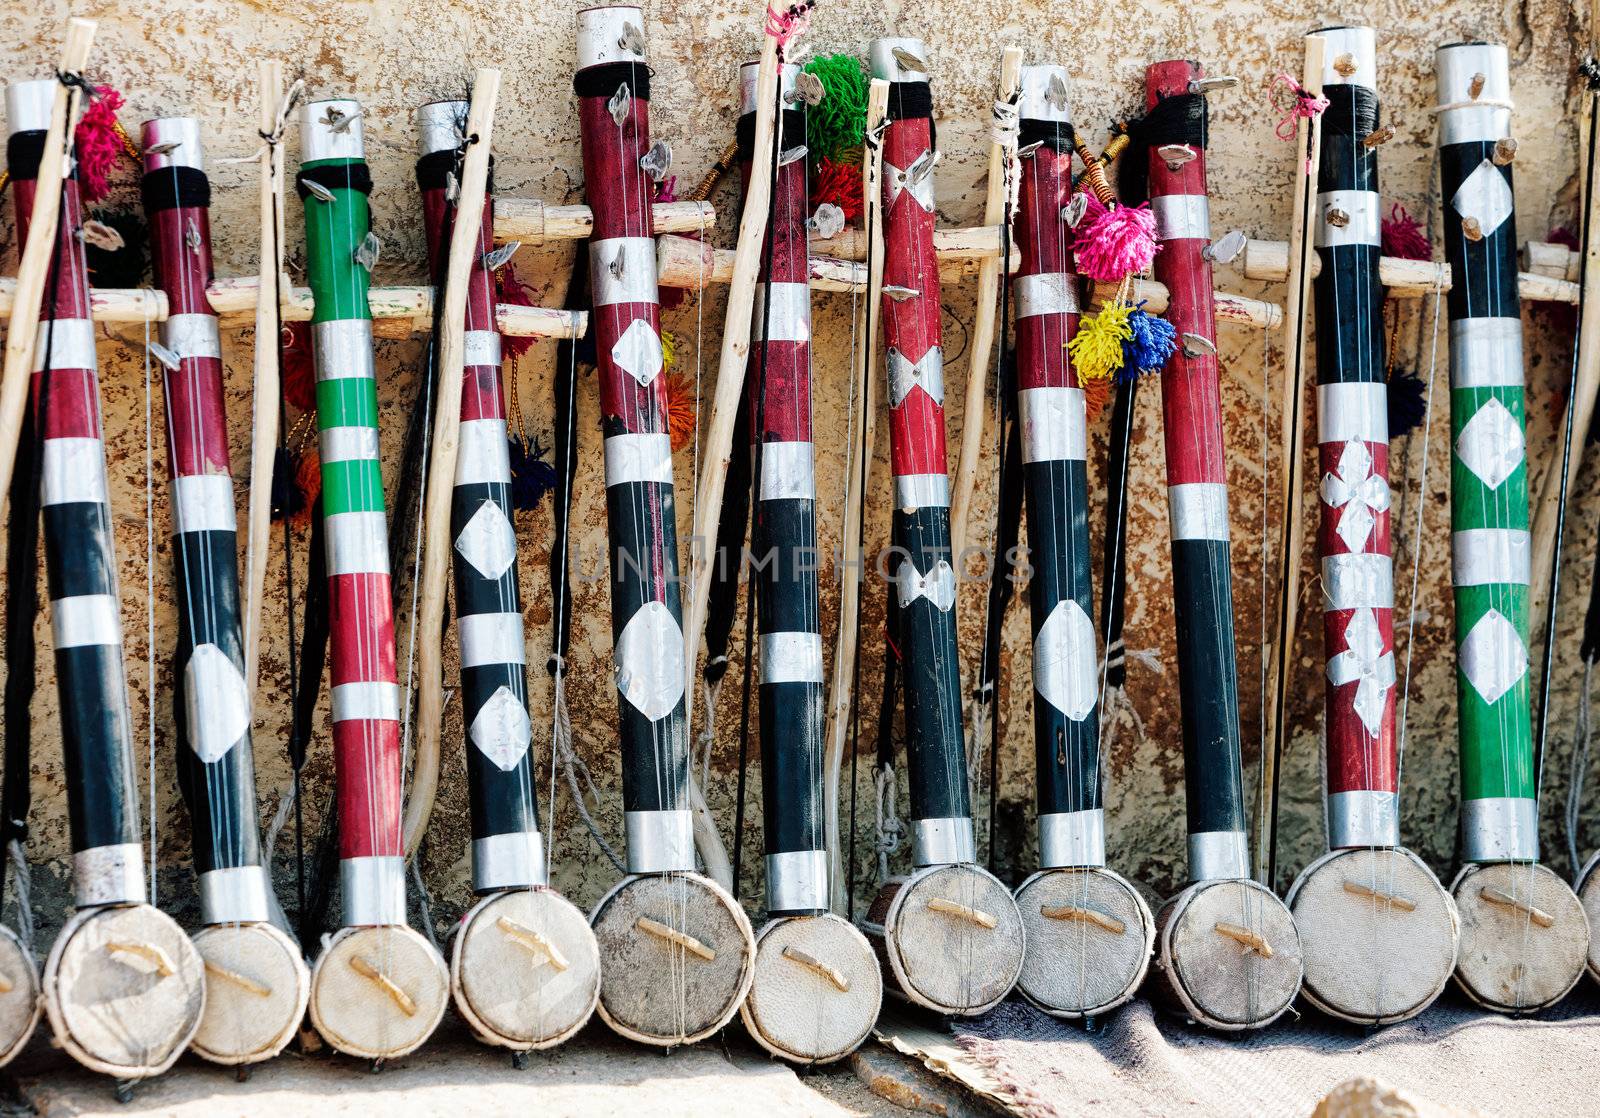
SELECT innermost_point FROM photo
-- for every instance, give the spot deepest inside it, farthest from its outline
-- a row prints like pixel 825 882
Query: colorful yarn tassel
pixel 1097 347
pixel 1408 403
pixel 1151 346
pixel 299 374
pixel 531 475
pixel 1404 237
pixel 516 293
pixel 838 182
pixel 839 122
pixel 99 142
pixel 1115 243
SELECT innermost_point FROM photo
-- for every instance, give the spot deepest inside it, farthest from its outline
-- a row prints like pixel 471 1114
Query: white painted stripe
pixel 623 270
pixel 1486 353
pixel 377 700
pixel 484 456
pixel 192 335
pixel 85 621
pixel 788 472
pixel 791 658
pixel 1352 411
pixel 482 348
pixel 358 543
pixel 203 503
pixel 491 638
pixel 348 444
pixel 1488 556
pixel 1357 582
pixel 1362 221
pixel 1198 510
pixel 632 458
pixel 74 471
pixel 70 342
pixel 791 313
pixel 1053 424
pixel 1182 217
pixel 342 348
pixel 1046 293
pixel 922 491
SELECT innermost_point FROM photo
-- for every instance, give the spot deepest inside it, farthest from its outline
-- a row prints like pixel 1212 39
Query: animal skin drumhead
pixel 817 989
pixel 1589 897
pixel 257 984
pixel 125 990
pixel 1524 936
pixel 1378 934
pixel 676 955
pixel 378 992
pixel 1223 978
pixel 1089 940
pixel 19 999
pixel 525 968
pixel 955 939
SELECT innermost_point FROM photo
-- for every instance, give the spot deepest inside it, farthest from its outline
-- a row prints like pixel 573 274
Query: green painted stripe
pixel 347 402
pixel 1473 503
pixel 333 231
pixel 1496 738
pixel 352 486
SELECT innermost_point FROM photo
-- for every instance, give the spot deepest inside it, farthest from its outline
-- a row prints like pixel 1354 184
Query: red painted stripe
pixel 197 419
pixel 366 754
pixel 71 298
pixel 1358 761
pixel 1190 395
pixel 74 406
pixel 787 415
pixel 182 272
pixel 916 436
pixel 361 621
pixel 1043 240
pixel 618 191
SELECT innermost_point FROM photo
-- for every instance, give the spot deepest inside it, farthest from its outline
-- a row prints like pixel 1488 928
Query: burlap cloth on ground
pixel 1139 1062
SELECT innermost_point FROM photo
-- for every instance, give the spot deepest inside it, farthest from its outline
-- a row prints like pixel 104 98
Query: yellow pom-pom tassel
pixel 1096 348
pixel 669 349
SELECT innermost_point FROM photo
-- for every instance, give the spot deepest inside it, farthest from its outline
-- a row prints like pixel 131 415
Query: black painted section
pixel 1485 272
pixel 936 756
pixel 1068 752
pixel 102 787
pixel 1348 294
pixel 77 552
pixel 1208 685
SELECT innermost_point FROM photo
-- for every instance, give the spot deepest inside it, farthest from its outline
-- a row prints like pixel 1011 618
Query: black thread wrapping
pixel 913 101
pixel 1352 111
pixel 606 79
pixel 337 176
pixel 24 151
pixel 744 133
pixel 435 168
pixel 1057 135
pixel 174 188
pixel 1180 119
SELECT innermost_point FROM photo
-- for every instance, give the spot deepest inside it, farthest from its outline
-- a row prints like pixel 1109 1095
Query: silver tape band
pixel 660 841
pixel 921 491
pixel 1363 819
pixel 342 348
pixel 358 543
pixel 374 890
pixel 1500 829
pixel 1035 102
pixel 1353 581
pixel 1349 46
pixel 509 861
pixel 491 638
pixel 372 702
pixel 72 471
pixel 203 503
pixel 1072 838
pixel 440 125
pixel 1054 424
pixel 602 31
pixel 788 472
pixel 638 458
pixel 1353 411
pixel 623 270
pixel 68 343
pixel 790 319
pixel 1182 217
pixel 331 130
pixel 1486 353
pixel 1487 556
pixel 192 335
pixel 29 105
pixel 484 456
pixel 1218 856
pixel 108 875
pixel 348 444
pixel 482 348
pixel 1045 293
pixel 942 842
pixel 1198 510
pixel 1456 67
pixel 85 621
pixel 791 658
pixel 1361 219
pixel 797 880
pixel 234 896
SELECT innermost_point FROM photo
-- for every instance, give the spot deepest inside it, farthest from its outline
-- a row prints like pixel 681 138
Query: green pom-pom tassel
pixel 839 123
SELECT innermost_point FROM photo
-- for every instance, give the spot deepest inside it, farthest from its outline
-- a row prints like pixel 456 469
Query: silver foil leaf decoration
pixel 828 221
pixel 97 234
pixel 808 88
pixel 909 61
pixel 368 251
pixel 657 160
pixel 164 148
pixel 496 259
pixel 631 40
pixel 621 104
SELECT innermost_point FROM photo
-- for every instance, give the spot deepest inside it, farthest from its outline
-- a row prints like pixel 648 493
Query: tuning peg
pixel 1195 346
pixel 1176 155
pixel 1225 248
pixel 1216 84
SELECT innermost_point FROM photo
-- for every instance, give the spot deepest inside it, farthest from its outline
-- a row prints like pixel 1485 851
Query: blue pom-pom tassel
pixel 1408 402
pixel 1153 343
pixel 531 476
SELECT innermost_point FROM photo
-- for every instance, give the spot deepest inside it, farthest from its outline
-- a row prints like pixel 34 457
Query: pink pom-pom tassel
pixel 1115 244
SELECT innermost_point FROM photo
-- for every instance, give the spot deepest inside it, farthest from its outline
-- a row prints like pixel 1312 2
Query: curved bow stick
pixel 451 349
pixel 268 387
pixel 34 267
pixel 1292 491
pixel 983 328
pixel 718 449
pixel 843 685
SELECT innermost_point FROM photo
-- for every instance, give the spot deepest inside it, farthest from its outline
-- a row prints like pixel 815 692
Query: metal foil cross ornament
pixel 1358 491
pixel 1365 663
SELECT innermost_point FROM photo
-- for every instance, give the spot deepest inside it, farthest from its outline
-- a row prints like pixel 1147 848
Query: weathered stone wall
pixel 198 57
